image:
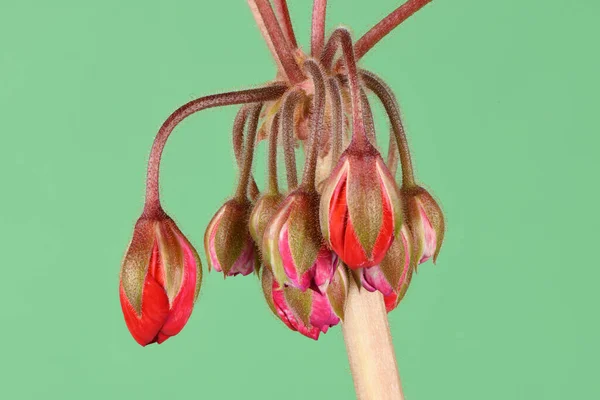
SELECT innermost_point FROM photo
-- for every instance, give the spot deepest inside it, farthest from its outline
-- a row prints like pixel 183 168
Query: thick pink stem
pixel 318 27
pixel 152 206
pixel 283 14
pixel 386 25
pixel 269 26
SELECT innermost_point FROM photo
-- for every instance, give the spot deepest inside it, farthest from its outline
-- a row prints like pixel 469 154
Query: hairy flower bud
pixel 293 247
pixel 264 210
pixel 160 280
pixel 426 221
pixel 227 242
pixel 309 312
pixel 393 275
pixel 360 209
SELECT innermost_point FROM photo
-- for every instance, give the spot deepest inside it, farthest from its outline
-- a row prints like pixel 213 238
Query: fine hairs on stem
pixel 246 170
pixel 152 205
pixel 273 186
pixel 337 112
pixel 239 124
pixel 287 122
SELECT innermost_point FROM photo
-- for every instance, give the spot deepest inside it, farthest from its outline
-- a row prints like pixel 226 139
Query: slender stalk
pixel 287 122
pixel 280 48
pixel 337 130
pixel 341 38
pixel 246 170
pixel 392 158
pixel 318 111
pixel 283 15
pixel 368 117
pixel 386 96
pixel 238 140
pixel 267 93
pixel 318 27
pixel 369 346
pixel 386 25
pixel 273 187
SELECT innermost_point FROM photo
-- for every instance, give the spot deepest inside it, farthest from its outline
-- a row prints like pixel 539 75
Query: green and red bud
pixel 160 280
pixel 360 210
pixel 426 220
pixel 227 241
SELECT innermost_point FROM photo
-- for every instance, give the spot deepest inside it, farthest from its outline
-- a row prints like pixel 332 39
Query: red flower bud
pixel 309 312
pixel 426 221
pixel 360 209
pixel 227 242
pixel 293 247
pixel 393 275
pixel 160 280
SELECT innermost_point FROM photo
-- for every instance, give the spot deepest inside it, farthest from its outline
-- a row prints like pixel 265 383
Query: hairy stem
pixel 269 26
pixel 386 96
pixel 392 157
pixel 318 111
pixel 246 170
pixel 273 187
pixel 283 15
pixel 369 346
pixel 318 27
pixel 337 130
pixel 238 140
pixel 386 25
pixel 152 205
pixel 368 117
pixel 342 38
pixel 287 122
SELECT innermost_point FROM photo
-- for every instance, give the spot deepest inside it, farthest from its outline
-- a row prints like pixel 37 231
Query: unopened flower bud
pixel 293 247
pixel 160 280
pixel 309 312
pixel 426 220
pixel 227 241
pixel 360 210
pixel 264 210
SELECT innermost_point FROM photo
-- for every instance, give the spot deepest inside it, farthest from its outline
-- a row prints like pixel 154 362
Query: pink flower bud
pixel 160 280
pixel 293 247
pixel 227 241
pixel 360 209
pixel 426 220
pixel 309 312
pixel 393 275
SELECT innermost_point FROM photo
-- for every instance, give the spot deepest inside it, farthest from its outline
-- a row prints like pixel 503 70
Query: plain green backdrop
pixel 500 99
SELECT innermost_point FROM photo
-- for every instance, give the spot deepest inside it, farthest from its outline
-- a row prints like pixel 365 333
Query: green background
pixel 500 99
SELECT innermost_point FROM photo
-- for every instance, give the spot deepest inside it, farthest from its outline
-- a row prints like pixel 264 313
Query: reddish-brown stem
pixel 238 140
pixel 386 96
pixel 318 27
pixel 337 130
pixel 246 170
pixel 152 205
pixel 287 121
pixel 318 111
pixel 386 25
pixel 342 38
pixel 368 118
pixel 392 158
pixel 283 15
pixel 273 186
pixel 283 53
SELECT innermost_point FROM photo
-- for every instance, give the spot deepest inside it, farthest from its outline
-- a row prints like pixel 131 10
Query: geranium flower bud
pixel 426 220
pixel 293 247
pixel 395 269
pixel 360 209
pixel 160 280
pixel 264 210
pixel 309 312
pixel 227 241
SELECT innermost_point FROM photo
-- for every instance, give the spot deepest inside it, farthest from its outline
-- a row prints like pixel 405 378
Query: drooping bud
pixel 265 208
pixel 393 275
pixel 426 220
pixel 309 312
pixel 360 210
pixel 293 247
pixel 227 241
pixel 160 280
